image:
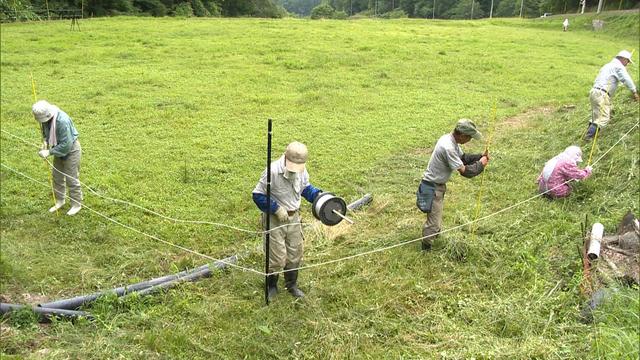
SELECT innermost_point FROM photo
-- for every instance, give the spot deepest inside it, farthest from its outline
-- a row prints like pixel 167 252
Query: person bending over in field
pixel 554 179
pixel 605 87
pixel 446 157
pixel 60 139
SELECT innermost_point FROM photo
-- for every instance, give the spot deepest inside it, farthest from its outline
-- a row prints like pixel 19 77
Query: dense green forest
pixel 440 9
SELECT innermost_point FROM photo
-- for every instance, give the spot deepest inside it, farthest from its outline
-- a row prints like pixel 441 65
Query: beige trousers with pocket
pixel 433 225
pixel 285 243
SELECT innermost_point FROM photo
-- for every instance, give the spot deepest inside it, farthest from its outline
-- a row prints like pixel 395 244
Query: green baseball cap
pixel 467 127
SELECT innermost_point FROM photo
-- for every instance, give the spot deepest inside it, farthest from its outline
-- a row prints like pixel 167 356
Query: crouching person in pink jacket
pixel 555 176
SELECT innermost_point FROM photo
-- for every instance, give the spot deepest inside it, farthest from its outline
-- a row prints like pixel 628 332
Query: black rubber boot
pixel 291 283
pixel 427 240
pixel 272 286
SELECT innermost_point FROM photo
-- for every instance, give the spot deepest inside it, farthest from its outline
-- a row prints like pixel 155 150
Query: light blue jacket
pixel 609 76
pixel 66 134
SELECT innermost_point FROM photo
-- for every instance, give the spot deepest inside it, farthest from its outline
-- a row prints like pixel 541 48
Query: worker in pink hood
pixel 555 176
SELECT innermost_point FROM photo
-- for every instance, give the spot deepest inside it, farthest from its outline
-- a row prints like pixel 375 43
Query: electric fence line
pixel 139 231
pixel 346 257
pixel 199 222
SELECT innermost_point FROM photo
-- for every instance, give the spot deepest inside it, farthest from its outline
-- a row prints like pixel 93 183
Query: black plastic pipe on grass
pixel 78 301
pixel 169 284
pixel 46 313
pixel 365 200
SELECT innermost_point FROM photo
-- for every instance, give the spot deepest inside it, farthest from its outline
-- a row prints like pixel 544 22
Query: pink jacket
pixel 564 171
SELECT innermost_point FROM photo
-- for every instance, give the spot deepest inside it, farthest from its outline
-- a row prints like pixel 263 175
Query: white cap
pixel 295 156
pixel 625 54
pixel 43 111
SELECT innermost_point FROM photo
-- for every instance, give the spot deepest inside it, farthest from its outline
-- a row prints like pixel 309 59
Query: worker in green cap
pixel 446 157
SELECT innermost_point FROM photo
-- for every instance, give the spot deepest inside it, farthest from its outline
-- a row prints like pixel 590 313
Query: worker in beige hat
pixel 605 87
pixel 60 140
pixel 289 183
pixel 446 157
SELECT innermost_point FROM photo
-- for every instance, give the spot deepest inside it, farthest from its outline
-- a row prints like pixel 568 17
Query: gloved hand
pixel 281 214
pixel 589 168
pixel 44 153
pixel 44 145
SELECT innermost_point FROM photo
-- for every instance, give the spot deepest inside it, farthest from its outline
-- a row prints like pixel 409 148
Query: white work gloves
pixel 281 214
pixel 44 153
pixel 589 168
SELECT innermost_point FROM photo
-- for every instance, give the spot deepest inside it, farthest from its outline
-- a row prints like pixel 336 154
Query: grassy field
pixel 172 116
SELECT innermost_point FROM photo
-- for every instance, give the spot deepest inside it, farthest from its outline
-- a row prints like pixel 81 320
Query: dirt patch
pixel 523 119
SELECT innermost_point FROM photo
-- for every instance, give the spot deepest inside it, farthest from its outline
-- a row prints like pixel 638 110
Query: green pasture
pixel 172 116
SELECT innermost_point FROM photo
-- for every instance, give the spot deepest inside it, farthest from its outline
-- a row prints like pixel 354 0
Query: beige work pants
pixel 69 165
pixel 433 225
pixel 285 243
pixel 600 107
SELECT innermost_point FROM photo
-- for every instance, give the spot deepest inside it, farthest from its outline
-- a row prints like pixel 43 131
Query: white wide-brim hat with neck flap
pixel 43 111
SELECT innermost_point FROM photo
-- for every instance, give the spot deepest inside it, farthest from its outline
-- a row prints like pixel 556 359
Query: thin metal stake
pixel 267 223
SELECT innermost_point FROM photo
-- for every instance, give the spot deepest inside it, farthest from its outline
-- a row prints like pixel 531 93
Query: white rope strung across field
pixel 139 231
pixel 453 228
pixel 199 222
pixel 623 136
pixel 355 255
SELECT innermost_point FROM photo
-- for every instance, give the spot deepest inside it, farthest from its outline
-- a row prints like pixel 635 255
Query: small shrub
pixel 394 14
pixel 183 10
pixel 340 15
pixel 322 11
pixel 199 8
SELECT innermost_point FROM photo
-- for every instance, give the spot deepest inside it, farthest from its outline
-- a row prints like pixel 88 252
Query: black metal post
pixel 267 223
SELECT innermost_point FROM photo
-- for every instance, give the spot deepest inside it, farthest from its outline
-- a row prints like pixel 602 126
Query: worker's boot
pixel 591 131
pixel 427 239
pixel 57 206
pixel 272 286
pixel 75 208
pixel 291 283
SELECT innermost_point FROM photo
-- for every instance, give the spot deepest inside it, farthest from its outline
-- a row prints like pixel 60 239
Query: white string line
pixel 623 136
pixel 450 229
pixel 199 222
pixel 374 250
pixel 138 231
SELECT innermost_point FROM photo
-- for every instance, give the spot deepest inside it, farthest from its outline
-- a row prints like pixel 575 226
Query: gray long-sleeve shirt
pixel 609 76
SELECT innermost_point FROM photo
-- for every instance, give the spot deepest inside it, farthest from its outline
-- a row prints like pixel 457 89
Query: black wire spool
pixel 324 205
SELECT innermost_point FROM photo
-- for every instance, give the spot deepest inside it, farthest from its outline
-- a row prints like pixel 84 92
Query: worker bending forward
pixel 60 139
pixel 446 157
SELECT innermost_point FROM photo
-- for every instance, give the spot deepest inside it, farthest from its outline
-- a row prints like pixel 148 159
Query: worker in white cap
pixel 605 87
pixel 60 140
pixel 446 157
pixel 289 183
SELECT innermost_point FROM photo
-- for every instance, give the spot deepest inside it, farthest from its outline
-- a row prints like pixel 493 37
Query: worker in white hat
pixel 605 87
pixel 60 141
pixel 289 183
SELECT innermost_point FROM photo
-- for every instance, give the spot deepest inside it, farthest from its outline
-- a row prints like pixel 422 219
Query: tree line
pixel 340 9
